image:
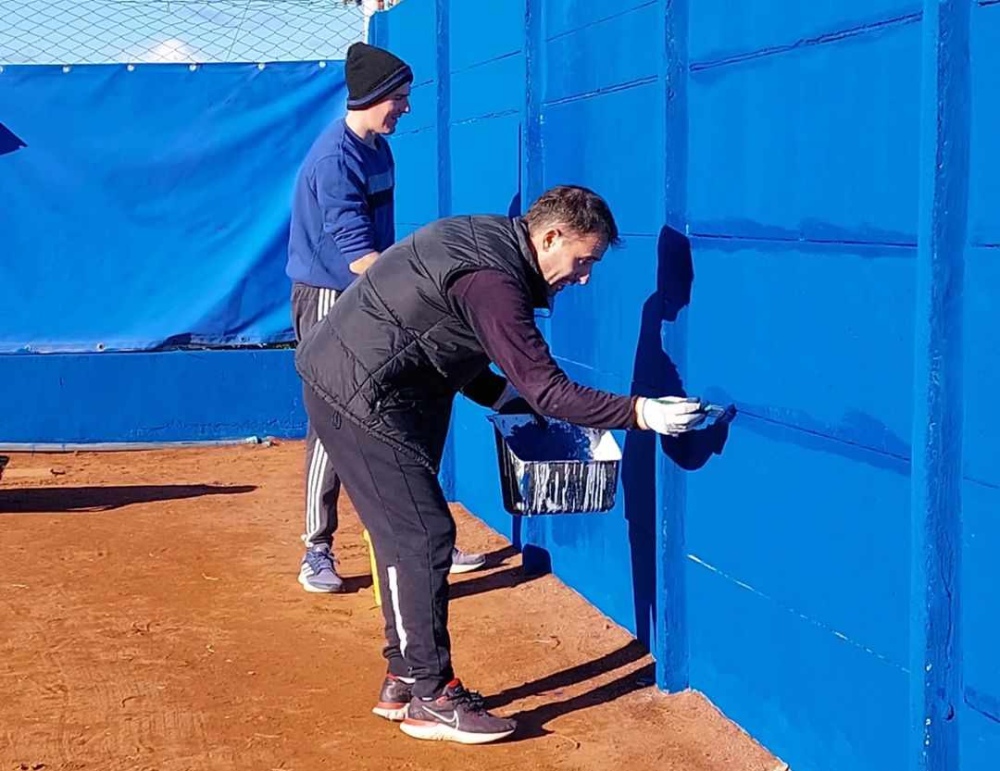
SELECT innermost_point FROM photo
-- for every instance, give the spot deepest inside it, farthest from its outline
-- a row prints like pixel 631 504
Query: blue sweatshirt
pixel 342 207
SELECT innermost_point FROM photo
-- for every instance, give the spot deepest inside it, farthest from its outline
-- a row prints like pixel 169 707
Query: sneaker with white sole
pixel 317 573
pixel 462 562
pixel 394 698
pixel 456 715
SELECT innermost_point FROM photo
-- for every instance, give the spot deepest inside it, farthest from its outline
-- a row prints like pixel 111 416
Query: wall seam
pixel 936 482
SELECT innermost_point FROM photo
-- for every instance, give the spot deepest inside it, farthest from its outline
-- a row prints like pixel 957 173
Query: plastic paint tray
pixel 555 468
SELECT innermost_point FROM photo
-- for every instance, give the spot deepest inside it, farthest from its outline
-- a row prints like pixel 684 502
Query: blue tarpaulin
pixel 148 206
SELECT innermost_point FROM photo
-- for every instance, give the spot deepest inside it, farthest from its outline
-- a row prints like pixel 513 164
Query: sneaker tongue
pixel 455 685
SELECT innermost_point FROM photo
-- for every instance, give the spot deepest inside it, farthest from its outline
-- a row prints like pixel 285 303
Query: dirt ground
pixel 150 618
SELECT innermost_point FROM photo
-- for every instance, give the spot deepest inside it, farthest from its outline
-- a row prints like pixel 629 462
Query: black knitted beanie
pixel 372 74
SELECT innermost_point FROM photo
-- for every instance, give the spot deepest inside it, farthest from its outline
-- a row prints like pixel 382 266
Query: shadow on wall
pixel 514 210
pixel 655 374
pixel 9 141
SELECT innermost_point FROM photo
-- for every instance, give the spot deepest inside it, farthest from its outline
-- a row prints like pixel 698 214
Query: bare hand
pixel 362 264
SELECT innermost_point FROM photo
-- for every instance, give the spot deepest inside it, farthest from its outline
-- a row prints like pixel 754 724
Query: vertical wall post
pixel 378 31
pixel 444 171
pixel 936 480
pixel 531 125
pixel 443 75
pixel 670 636
pixel 530 532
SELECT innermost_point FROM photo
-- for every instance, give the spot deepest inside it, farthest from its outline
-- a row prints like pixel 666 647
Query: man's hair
pixel 578 209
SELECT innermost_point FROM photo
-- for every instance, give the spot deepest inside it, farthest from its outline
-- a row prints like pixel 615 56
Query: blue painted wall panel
pixel 842 368
pixel 819 702
pixel 496 86
pixel 980 716
pixel 423 115
pixel 626 171
pixel 817 143
pixel 984 193
pixel 621 592
pixel 617 382
pixel 412 35
pixel 485 30
pixel 562 16
pixel 150 397
pixel 403 229
pixel 819 526
pixel 721 30
pixel 485 165
pixel 631 49
pixel 982 365
pixel 980 579
pixel 980 746
pixel 801 173
pixel 416 177
pixel 477 483
pixel 599 325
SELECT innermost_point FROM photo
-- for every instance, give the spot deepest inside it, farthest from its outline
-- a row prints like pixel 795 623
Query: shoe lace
pixel 473 700
pixel 318 560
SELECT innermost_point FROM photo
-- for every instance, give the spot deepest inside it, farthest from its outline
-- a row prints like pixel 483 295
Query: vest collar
pixel 541 297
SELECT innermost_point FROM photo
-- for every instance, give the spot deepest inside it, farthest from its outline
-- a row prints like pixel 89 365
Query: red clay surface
pixel 150 618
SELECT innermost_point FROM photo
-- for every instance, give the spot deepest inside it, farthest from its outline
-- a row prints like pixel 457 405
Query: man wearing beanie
pixel 342 218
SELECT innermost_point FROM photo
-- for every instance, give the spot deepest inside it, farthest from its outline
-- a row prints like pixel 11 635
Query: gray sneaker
pixel 394 698
pixel 456 715
pixel 317 573
pixel 461 562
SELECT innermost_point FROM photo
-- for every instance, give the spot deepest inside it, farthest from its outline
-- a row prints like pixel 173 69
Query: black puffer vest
pixel 393 351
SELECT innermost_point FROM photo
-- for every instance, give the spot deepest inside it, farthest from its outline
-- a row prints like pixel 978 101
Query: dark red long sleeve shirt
pixel 500 314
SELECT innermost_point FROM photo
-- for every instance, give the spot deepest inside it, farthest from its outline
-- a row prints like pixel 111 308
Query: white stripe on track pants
pixel 310 304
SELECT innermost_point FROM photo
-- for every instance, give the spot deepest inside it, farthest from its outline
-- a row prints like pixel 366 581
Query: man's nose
pixel 584 279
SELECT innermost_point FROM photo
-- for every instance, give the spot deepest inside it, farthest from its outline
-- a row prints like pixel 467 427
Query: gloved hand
pixel 672 415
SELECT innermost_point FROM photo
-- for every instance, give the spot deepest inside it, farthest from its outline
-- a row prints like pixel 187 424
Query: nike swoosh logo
pixel 452 721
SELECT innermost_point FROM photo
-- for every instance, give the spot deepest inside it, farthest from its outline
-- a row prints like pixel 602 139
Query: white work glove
pixel 673 415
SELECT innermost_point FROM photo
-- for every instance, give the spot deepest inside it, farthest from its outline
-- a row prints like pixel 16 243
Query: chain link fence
pixel 189 31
